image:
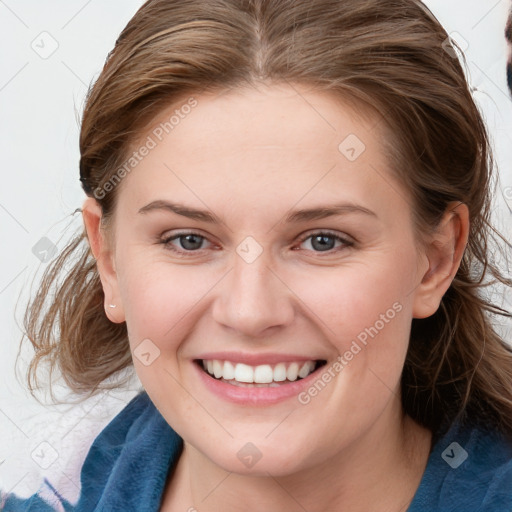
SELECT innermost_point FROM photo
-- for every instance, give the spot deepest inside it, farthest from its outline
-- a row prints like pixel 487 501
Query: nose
pixel 253 300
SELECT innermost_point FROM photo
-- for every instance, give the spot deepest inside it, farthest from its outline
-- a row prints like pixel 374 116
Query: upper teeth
pixel 262 374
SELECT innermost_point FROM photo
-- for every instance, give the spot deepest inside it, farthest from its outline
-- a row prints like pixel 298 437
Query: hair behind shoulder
pixel 391 55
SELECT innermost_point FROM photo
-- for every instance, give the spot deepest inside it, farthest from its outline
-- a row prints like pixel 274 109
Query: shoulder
pixel 128 462
pixel 470 469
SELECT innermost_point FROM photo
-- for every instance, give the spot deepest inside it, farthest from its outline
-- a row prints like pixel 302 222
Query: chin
pixel 277 466
pixel 259 458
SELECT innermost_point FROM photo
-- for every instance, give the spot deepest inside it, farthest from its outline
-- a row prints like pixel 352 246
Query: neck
pixel 380 471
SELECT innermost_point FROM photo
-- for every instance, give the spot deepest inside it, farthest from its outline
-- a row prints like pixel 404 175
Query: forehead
pixel 280 120
pixel 261 149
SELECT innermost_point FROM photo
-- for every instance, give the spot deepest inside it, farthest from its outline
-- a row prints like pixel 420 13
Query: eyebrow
pixel 294 217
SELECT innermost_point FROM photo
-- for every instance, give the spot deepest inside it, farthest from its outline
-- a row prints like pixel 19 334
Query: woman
pixel 287 234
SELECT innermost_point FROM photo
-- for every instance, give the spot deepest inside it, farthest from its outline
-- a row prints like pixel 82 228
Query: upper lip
pixel 256 359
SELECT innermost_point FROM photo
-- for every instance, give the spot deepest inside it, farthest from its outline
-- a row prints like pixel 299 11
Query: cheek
pixel 160 299
pixel 349 299
pixel 365 313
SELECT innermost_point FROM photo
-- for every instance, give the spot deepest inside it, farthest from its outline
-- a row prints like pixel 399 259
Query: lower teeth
pixel 252 384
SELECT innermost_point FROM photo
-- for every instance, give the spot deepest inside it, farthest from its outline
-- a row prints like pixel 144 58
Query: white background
pixel 40 104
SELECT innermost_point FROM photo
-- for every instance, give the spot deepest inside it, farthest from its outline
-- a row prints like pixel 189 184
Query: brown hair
pixel 390 54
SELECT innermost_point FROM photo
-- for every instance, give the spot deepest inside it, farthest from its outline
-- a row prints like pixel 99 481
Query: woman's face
pixel 303 258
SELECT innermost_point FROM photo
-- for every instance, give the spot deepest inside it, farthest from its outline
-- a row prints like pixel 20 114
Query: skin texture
pixel 250 157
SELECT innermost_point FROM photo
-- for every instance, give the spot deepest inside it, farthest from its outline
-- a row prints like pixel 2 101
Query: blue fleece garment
pixel 468 470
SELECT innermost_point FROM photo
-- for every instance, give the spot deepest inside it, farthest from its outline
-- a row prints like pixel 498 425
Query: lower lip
pixel 254 395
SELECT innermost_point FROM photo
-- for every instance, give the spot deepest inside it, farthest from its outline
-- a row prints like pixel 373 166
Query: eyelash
pixel 166 241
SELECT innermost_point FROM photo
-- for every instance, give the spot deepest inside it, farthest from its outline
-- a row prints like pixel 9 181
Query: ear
pixel 444 253
pixel 104 255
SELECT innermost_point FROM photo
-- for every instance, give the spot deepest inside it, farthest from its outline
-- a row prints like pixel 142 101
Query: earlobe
pixel 444 253
pixel 92 215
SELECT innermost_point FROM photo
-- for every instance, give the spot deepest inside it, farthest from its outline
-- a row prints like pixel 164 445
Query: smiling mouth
pixel 263 375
